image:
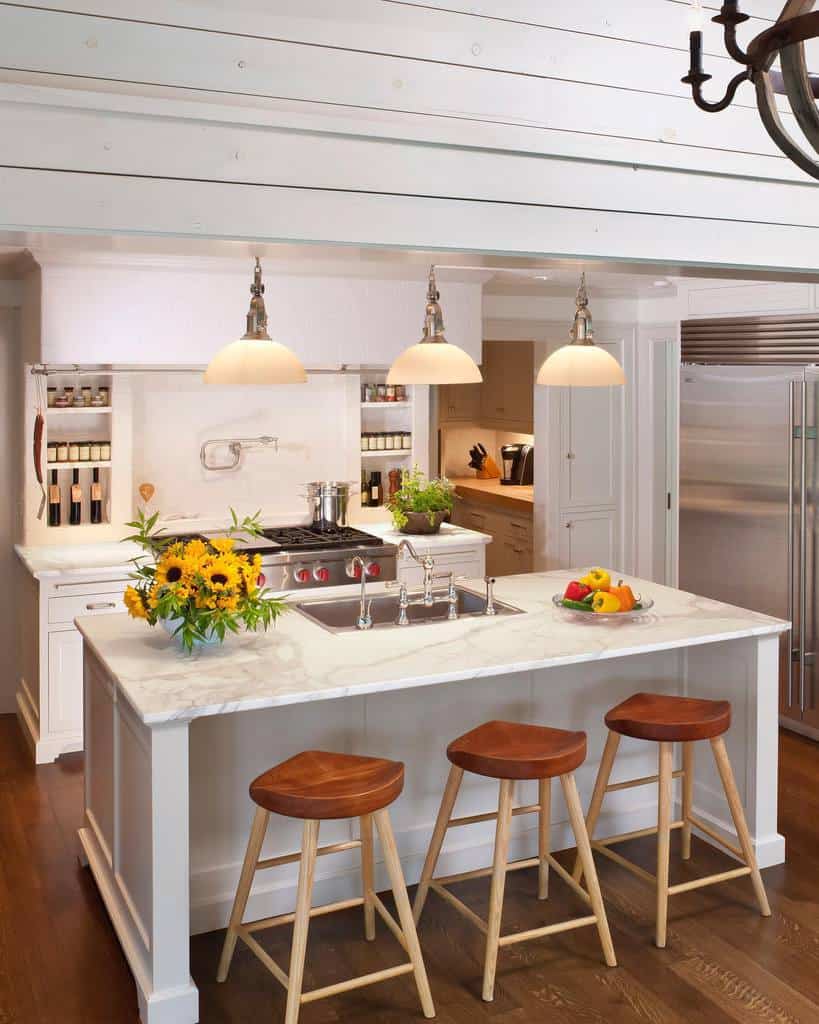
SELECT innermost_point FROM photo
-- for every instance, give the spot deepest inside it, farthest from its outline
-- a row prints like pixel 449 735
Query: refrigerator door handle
pixel 791 553
pixel 803 541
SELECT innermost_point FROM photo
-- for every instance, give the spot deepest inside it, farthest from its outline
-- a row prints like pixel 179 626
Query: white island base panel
pixel 168 814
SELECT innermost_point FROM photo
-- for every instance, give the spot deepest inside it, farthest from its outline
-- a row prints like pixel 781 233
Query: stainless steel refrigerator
pixel 749 485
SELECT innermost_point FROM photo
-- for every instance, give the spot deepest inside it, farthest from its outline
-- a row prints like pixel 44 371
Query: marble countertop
pixel 298 661
pixel 77 560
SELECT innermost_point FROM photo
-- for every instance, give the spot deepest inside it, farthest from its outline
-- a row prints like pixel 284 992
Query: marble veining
pixel 298 661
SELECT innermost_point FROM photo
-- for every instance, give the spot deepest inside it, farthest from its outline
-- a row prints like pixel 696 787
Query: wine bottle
pixel 75 510
pixel 96 497
pixel 54 500
pixel 375 490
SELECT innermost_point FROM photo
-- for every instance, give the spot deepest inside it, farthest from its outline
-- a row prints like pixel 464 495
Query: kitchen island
pixel 172 742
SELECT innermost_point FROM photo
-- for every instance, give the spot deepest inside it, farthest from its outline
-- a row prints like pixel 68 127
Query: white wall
pixel 504 125
pixel 12 441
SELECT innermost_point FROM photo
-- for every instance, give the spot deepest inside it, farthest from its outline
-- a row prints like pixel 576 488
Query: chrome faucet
pixel 365 619
pixel 428 565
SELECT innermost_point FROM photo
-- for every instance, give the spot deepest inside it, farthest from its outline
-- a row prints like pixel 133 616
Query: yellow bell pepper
pixel 597 579
pixel 605 602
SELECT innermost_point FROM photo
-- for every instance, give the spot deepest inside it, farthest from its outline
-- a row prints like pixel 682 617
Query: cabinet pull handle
pixel 97 606
pixel 569 455
pixel 569 526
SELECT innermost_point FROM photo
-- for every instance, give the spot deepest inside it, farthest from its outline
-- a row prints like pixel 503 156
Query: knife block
pixel 489 470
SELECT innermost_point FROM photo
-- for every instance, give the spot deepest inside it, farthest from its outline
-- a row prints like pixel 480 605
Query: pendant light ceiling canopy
pixel 581 363
pixel 433 360
pixel 255 359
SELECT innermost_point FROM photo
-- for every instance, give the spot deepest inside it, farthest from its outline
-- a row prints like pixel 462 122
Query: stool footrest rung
pixel 460 906
pixel 359 982
pixel 735 850
pixel 548 929
pixel 464 876
pixel 635 869
pixel 294 858
pixel 576 887
pixel 646 780
pixel 473 819
pixel 699 883
pixel 389 921
pixel 639 833
pixel 328 908
pixel 263 955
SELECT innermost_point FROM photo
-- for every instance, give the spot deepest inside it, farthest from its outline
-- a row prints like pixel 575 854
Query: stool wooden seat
pixel 322 785
pixel 513 750
pixel 509 751
pixel 662 718
pixel 318 785
pixel 666 720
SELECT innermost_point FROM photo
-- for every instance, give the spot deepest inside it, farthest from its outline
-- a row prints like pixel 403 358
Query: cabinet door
pixel 590 421
pixel 507 392
pixel 589 538
pixel 492 398
pixel 65 682
pixel 459 403
pixel 510 557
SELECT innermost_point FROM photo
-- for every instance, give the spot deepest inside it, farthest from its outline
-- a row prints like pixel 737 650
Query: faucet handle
pixel 490 595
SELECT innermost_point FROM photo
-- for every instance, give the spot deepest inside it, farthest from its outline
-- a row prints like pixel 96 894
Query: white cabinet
pixel 65 682
pixel 590 439
pixel 467 561
pixel 50 691
pixel 588 538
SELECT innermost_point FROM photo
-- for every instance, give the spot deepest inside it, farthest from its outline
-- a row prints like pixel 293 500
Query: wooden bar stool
pixel 508 751
pixel 666 721
pixel 318 786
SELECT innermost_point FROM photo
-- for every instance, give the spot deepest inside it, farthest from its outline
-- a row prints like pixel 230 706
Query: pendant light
pixel 255 358
pixel 433 360
pixel 581 363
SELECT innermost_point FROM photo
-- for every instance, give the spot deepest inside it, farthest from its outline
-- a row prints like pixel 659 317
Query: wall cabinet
pixel 507 392
pixel 459 403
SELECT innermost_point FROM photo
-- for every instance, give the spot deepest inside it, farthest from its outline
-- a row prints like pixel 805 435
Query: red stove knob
pixel 321 574
pixel 373 570
pixel 302 575
pixel 261 579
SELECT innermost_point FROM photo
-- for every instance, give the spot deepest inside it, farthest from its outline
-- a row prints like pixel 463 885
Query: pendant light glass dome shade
pixel 433 360
pixel 255 359
pixel 581 363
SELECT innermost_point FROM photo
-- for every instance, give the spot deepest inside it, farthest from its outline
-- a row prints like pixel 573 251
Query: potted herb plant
pixel 421 505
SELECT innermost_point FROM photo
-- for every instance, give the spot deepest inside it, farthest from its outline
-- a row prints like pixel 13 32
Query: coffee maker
pixel 518 464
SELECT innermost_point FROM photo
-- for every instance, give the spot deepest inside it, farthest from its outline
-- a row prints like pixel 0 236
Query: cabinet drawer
pixel 518 530
pixel 66 609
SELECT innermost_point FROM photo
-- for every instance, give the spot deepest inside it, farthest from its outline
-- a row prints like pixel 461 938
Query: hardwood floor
pixel 60 962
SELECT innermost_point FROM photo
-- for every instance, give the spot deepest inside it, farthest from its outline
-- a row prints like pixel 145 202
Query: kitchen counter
pixel 297 661
pixel 495 494
pixel 172 742
pixel 77 560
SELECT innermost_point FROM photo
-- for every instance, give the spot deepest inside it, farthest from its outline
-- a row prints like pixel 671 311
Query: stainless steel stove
pixel 305 557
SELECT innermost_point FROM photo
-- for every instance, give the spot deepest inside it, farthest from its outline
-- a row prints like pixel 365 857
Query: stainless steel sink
pixel 339 615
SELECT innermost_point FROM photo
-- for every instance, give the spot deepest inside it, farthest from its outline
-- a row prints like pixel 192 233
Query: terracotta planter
pixel 419 522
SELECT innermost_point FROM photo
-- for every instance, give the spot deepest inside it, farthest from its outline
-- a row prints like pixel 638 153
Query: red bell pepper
pixel 576 591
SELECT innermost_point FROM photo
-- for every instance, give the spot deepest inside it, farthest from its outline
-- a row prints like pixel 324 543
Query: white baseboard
pixel 45 751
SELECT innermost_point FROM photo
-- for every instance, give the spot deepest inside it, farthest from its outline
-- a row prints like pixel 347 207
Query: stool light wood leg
pixel 740 824
pixel 302 922
pixel 666 767
pixel 254 847
pixel 498 884
pixel 603 776
pixel 453 784
pixel 584 851
pixel 544 836
pixel 687 798
pixel 402 903
pixel 367 875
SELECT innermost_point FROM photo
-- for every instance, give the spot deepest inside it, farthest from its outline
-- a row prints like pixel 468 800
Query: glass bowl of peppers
pixel 597 596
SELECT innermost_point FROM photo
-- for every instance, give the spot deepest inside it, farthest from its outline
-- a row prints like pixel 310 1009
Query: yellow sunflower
pixel 195 550
pixel 224 545
pixel 134 604
pixel 251 570
pixel 172 568
pixel 221 573
pixel 228 602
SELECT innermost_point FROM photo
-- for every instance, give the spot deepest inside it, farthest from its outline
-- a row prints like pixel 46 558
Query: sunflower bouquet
pixel 200 589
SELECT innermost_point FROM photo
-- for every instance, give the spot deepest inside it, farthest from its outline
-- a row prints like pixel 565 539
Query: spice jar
pixel 400 393
pixel 390 396
pixel 372 442
pixel 51 451
pixel 105 395
pixel 406 440
pixel 61 401
pixel 381 442
pixel 365 443
pixel 85 451
pixel 97 401
pixel 105 451
pixel 73 451
pixel 381 393
pixel 86 394
pixel 62 451
pixel 94 451
pixel 51 397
